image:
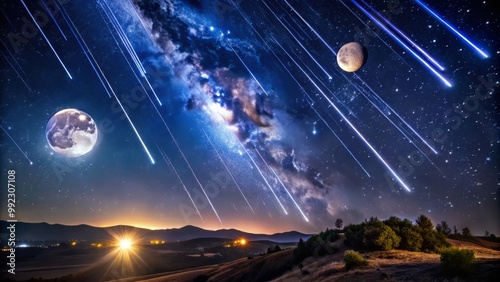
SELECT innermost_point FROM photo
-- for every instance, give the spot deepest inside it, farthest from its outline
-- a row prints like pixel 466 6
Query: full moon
pixel 351 57
pixel 71 133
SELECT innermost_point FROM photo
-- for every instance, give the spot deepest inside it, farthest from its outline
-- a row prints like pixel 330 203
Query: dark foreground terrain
pixel 222 260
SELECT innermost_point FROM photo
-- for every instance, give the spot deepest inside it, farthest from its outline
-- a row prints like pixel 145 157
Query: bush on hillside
pixel 381 238
pixel 353 259
pixel 457 262
pixel 411 239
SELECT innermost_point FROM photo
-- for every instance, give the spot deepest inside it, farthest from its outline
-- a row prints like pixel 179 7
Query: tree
pixel 486 234
pixel 424 222
pixel 339 223
pixel 277 248
pixel 455 230
pixel 443 228
pixel 466 232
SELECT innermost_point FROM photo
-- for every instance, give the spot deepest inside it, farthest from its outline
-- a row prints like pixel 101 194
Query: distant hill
pixel 45 231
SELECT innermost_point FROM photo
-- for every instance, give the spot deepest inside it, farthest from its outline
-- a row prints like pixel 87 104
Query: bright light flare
pixel 125 244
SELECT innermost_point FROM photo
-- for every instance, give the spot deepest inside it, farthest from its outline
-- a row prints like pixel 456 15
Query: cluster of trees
pixel 317 245
pixel 271 250
pixel 396 233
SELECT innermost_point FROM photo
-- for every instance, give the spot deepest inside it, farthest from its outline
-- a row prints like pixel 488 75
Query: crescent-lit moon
pixel 351 57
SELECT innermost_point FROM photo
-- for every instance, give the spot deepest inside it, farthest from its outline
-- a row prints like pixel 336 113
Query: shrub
pixel 353 259
pixel 411 240
pixel 457 262
pixel 381 237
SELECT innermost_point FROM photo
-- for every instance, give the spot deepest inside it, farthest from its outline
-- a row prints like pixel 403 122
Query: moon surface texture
pixel 71 133
pixel 351 57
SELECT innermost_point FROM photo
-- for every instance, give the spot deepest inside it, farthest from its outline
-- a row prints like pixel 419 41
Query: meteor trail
pixel 24 81
pixel 128 45
pixel 13 58
pixel 169 162
pixel 298 41
pixel 435 72
pixel 11 25
pixel 248 69
pixel 122 35
pixel 15 143
pixel 86 49
pixel 431 59
pixel 52 17
pixel 228 171
pixel 283 185
pixel 46 39
pixel 262 175
pixel 450 27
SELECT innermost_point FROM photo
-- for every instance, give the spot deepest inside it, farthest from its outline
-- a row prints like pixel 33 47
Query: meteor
pixel 432 60
pixel 169 162
pixel 298 41
pixel 128 45
pixel 86 50
pixel 283 185
pixel 122 35
pixel 248 69
pixel 53 19
pixel 24 81
pixel 400 118
pixel 262 175
pixel 46 39
pixel 13 58
pixel 435 72
pixel 11 25
pixel 228 171
pixel 450 27
pixel 15 143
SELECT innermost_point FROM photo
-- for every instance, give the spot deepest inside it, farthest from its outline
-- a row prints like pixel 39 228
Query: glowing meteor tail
pixel 404 45
pixel 450 27
pixel 169 162
pixel 46 39
pixel 15 143
pixel 228 171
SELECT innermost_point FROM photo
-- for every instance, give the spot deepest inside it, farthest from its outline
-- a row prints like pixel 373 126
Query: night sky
pixel 258 128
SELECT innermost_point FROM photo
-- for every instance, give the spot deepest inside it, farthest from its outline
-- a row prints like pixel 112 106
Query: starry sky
pixel 245 118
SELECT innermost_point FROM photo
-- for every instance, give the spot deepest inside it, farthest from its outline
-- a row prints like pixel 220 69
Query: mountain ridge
pixel 46 231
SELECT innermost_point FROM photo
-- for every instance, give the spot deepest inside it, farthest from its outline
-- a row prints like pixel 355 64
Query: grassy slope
pixel 387 266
